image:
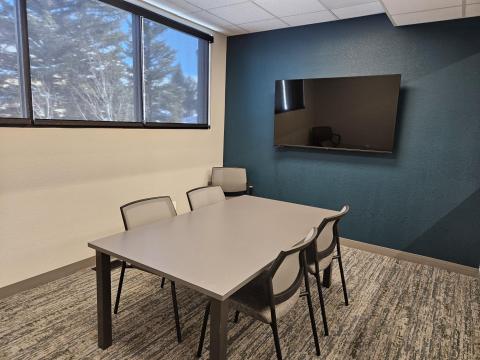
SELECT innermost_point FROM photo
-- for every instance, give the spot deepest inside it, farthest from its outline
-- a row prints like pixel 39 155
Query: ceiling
pixel 234 17
pixel 406 12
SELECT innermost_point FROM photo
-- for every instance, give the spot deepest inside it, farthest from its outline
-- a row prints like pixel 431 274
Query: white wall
pixel 60 188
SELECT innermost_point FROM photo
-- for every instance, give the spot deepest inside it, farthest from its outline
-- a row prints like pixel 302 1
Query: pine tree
pixel 190 103
pixel 81 60
pixel 81 56
pixel 9 84
pixel 159 61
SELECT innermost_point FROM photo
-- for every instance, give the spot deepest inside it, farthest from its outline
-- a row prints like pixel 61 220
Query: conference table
pixel 214 250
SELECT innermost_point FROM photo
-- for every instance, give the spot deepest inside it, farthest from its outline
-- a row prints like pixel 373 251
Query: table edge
pixel 177 279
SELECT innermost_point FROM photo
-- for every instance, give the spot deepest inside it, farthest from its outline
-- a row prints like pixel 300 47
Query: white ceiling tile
pixel 359 10
pixel 242 13
pixel 290 7
pixel 312 18
pixel 233 30
pixel 171 7
pixel 210 4
pixel 236 32
pixel 406 6
pixel 428 16
pixel 209 18
pixel 335 4
pixel 472 10
pixel 181 5
pixel 263 25
pixel 215 23
pixel 233 17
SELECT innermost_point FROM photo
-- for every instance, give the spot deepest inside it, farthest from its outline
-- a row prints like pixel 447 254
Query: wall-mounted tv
pixel 344 113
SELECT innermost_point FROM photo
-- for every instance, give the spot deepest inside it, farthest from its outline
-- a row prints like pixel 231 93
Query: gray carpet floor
pixel 398 310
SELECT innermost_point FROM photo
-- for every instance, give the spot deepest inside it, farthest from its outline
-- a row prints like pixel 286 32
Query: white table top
pixel 219 248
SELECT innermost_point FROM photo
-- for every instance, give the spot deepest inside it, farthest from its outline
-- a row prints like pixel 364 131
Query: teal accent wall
pixel 425 197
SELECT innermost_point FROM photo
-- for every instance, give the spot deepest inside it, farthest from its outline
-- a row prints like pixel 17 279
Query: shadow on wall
pixel 451 231
pixel 431 55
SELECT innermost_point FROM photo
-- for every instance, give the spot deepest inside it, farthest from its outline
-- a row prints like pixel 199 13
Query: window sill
pixel 42 123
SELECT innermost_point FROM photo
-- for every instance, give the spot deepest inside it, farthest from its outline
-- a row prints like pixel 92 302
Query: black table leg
pixel 104 300
pixel 218 329
pixel 327 276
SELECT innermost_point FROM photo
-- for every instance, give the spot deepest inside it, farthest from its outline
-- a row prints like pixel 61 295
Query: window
pixel 172 74
pixel 100 63
pixel 10 91
pixel 81 60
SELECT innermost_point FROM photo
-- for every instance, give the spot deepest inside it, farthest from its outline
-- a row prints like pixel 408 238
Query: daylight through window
pixel 102 63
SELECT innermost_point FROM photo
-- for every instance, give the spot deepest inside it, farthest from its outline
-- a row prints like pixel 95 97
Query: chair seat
pixel 252 300
pixel 322 264
pixel 232 195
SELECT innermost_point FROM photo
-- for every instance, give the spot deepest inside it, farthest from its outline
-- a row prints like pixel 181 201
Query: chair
pixel 232 180
pixel 321 254
pixel 204 196
pixel 324 136
pixel 272 295
pixel 143 212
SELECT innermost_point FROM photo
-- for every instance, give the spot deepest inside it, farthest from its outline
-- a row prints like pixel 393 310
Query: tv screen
pixel 346 113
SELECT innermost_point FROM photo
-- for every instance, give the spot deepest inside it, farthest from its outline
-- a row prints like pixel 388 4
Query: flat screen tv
pixel 344 113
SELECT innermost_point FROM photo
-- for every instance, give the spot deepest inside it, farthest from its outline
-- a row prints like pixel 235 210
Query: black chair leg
pixel 342 275
pixel 327 276
pixel 237 314
pixel 276 339
pixel 120 284
pixel 204 330
pixel 175 310
pixel 322 304
pixel 312 315
pixel 163 283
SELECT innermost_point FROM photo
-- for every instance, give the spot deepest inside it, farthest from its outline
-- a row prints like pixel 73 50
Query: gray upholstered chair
pixel 321 254
pixel 274 292
pixel 204 196
pixel 143 212
pixel 232 180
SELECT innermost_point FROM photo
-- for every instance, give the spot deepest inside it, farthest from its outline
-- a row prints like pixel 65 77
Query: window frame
pixel 138 13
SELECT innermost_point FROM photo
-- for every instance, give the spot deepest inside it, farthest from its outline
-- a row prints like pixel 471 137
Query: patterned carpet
pixel 398 310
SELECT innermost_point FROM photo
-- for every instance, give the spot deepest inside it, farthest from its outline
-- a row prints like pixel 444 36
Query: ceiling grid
pixel 234 17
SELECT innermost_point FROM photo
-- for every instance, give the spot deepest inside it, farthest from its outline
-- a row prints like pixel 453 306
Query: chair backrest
pixel 146 211
pixel 286 271
pixel 230 179
pixel 328 234
pixel 204 196
pixel 321 133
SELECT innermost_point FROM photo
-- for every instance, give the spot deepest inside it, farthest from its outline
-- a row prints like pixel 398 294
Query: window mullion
pixel 23 52
pixel 138 67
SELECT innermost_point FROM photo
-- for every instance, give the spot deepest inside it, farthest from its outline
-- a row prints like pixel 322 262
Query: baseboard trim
pixel 415 258
pixel 44 278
